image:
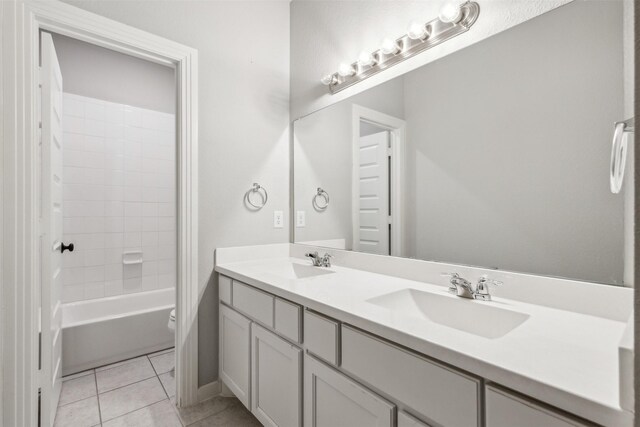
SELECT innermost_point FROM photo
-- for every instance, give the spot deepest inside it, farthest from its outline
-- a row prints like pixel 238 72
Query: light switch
pixel 278 219
pixel 300 219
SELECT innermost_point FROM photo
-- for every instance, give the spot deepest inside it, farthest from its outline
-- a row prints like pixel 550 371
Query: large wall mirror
pixel 495 156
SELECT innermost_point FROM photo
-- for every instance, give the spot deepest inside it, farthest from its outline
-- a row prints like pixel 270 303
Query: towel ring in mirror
pixel 619 154
pixel 321 200
pixel 257 188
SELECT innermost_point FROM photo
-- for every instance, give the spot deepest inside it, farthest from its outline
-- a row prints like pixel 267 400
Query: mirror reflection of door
pixel 374 190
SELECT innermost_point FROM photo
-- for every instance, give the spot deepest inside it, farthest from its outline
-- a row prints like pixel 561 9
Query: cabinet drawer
pixel 254 303
pixel 444 396
pixel 287 320
pixel 321 337
pixel 406 420
pixel 503 408
pixel 224 289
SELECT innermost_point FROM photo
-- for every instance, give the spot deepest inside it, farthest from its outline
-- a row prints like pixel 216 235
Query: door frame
pixel 22 21
pixel 397 132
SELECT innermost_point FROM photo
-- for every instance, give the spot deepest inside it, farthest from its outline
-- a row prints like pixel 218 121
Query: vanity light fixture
pixel 329 79
pixel 450 12
pixel 417 31
pixel 366 59
pixel 346 70
pixel 454 19
pixel 389 46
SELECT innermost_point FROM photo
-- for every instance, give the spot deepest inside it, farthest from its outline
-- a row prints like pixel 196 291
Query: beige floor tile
pixel 122 362
pixel 130 398
pixel 161 414
pixel 77 389
pixel 158 353
pixel 84 413
pixel 163 363
pixel 236 415
pixel 129 373
pixel 205 409
pixel 77 375
pixel 168 381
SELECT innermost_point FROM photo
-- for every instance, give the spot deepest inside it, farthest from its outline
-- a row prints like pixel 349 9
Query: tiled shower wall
pixel 119 196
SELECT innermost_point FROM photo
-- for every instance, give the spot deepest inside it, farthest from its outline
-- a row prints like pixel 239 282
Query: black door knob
pixel 68 247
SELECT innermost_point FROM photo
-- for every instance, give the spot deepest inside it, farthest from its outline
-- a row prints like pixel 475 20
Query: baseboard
pixel 208 391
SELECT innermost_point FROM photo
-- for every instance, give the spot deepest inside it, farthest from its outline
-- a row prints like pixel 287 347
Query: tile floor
pixel 140 392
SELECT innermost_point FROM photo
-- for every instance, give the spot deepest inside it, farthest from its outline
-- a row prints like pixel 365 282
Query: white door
pixel 235 358
pixel 51 232
pixel 373 164
pixel 334 400
pixel 276 379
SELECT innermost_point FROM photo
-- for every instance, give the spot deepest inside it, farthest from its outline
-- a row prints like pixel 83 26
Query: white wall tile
pixel 132 285
pixel 94 273
pixel 132 223
pixel 167 223
pixel 95 111
pixel 113 224
pixel 132 239
pixel 114 271
pixel 149 210
pixel 112 288
pixel 94 127
pixel 94 257
pixel 119 194
pixel 166 252
pixel 149 238
pixel 72 107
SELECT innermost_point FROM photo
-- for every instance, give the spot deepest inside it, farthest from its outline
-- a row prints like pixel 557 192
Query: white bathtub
pixel 106 330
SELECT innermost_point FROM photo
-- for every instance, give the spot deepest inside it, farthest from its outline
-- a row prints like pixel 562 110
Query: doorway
pixel 108 228
pixel 24 390
pixel 378 143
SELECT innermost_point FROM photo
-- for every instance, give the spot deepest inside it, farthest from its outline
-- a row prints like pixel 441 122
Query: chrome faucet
pixel 319 261
pixel 464 289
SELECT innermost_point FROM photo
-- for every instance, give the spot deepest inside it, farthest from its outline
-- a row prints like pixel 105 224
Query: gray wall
pixel 93 71
pixel 243 124
pixel 510 164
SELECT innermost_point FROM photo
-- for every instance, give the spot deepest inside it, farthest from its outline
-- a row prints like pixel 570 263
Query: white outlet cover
pixel 278 219
pixel 300 219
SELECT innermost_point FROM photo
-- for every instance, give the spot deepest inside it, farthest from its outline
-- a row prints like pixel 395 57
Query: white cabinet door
pixel 504 409
pixel 235 341
pixel 332 399
pixel 276 380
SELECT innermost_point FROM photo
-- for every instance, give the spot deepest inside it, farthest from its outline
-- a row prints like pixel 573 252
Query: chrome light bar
pixel 435 32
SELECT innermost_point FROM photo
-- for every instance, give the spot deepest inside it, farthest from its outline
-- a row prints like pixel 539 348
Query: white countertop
pixel 566 359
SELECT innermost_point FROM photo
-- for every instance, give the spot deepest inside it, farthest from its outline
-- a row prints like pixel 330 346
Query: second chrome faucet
pixel 319 261
pixel 463 288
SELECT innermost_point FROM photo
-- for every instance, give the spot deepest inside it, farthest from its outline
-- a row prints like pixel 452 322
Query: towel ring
pixel 257 188
pixel 318 202
pixel 619 154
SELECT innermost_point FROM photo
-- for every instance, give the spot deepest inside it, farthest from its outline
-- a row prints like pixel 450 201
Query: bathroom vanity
pixel 343 346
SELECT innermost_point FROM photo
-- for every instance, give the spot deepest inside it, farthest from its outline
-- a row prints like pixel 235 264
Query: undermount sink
pixel 475 317
pixel 294 271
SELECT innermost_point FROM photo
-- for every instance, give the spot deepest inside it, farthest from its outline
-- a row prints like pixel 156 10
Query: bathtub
pixel 106 330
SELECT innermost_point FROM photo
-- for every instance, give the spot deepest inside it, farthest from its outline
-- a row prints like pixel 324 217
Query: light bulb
pixel 417 31
pixel 328 79
pixel 366 59
pixel 450 13
pixel 346 70
pixel 389 47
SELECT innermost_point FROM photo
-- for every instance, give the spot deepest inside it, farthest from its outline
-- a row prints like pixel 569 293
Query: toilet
pixel 172 320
